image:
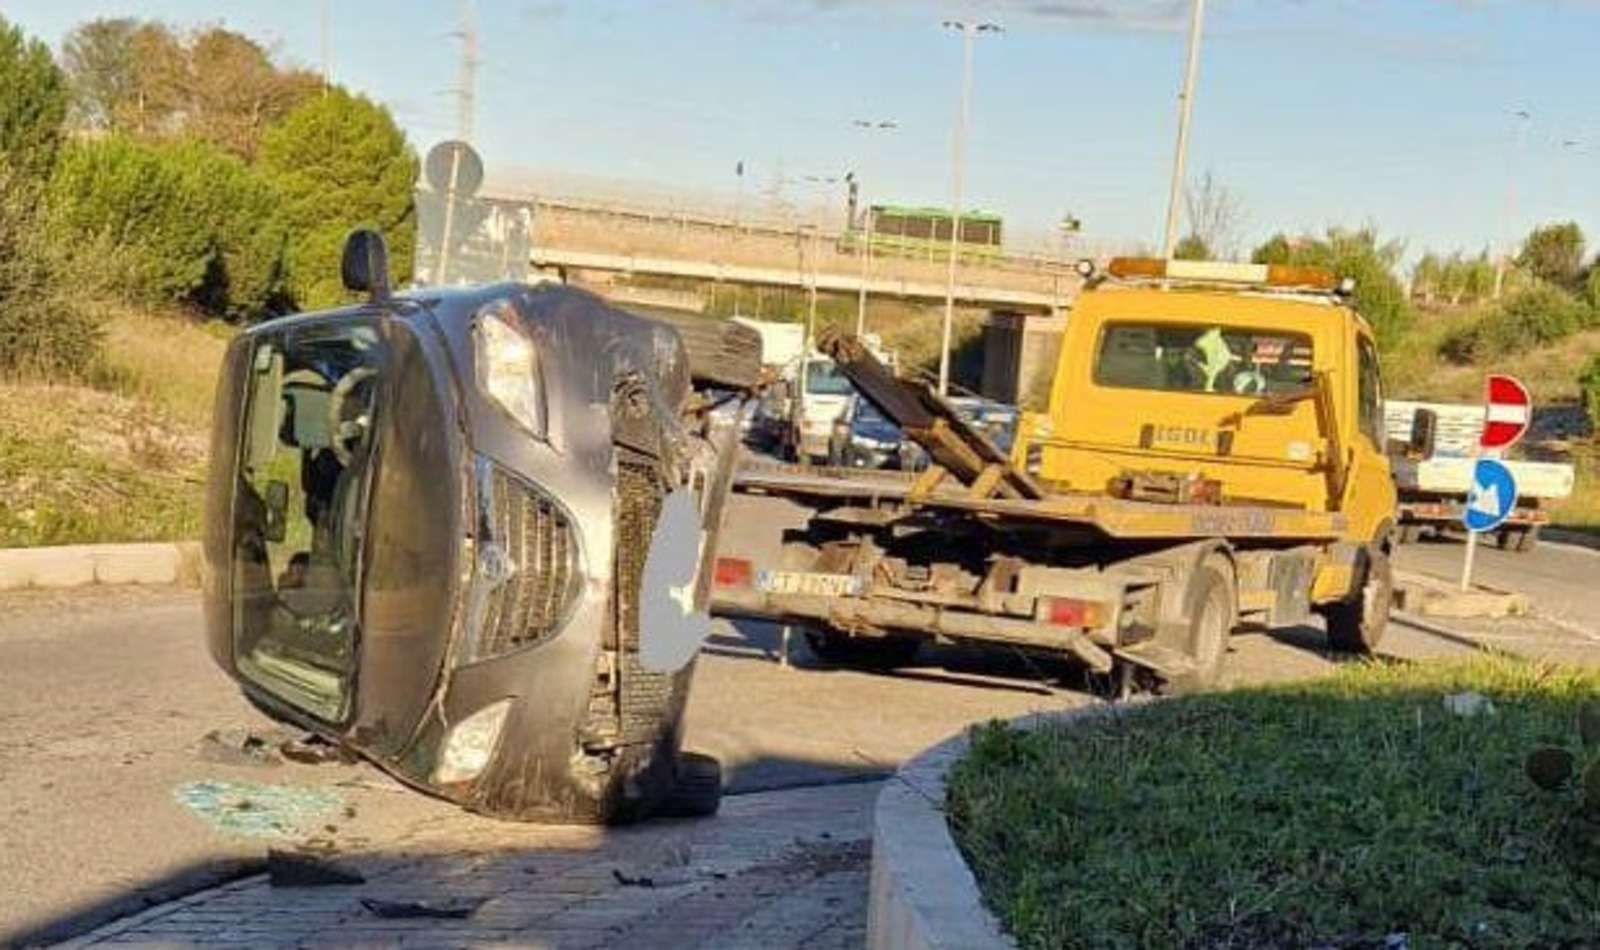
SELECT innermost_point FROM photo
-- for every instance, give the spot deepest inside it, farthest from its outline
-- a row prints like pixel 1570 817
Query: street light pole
pixel 866 222
pixel 969 31
pixel 811 272
pixel 1522 117
pixel 1185 101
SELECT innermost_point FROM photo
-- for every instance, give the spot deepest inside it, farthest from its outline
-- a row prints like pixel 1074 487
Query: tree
pixel 43 331
pixel 1554 253
pixel 126 75
pixel 1192 247
pixel 1591 287
pixel 33 106
pixel 238 92
pixel 141 79
pixel 181 223
pixel 1452 280
pixel 1427 278
pixel 1589 385
pixel 338 162
pixel 1214 216
pixel 1356 254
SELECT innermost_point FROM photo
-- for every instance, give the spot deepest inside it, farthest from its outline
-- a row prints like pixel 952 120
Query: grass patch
pixel 168 361
pixel 122 459
pixel 1581 510
pixel 1331 813
pixel 58 494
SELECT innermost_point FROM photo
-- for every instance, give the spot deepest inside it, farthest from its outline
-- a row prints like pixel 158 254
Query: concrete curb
pixel 78 565
pixel 1426 595
pixel 922 895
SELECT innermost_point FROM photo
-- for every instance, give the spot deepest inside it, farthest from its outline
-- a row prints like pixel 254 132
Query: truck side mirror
pixel 1424 429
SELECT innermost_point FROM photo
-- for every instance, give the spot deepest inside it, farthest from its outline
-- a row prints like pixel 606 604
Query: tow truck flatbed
pixel 1113 517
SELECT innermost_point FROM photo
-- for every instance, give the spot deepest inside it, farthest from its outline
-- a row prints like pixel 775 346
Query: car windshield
pixel 824 378
pixel 1203 358
pixel 303 468
pixel 870 414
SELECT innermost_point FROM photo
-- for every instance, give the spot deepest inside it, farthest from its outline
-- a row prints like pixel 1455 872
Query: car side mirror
pixel 365 265
pixel 277 514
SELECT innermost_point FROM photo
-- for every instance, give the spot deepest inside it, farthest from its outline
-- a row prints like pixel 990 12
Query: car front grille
pixel 533 585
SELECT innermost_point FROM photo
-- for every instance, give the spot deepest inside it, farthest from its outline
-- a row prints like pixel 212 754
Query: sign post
pixel 1493 493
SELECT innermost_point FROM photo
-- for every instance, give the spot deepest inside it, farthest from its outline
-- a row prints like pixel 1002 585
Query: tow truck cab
pixel 1220 382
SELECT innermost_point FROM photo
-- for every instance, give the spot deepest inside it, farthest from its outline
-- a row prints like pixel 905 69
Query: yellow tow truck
pixel 1212 459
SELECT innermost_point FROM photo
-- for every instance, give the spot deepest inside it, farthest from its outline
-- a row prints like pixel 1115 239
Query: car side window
pixel 1370 394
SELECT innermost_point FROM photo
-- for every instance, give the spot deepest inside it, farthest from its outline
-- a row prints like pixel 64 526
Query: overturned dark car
pixel 467 533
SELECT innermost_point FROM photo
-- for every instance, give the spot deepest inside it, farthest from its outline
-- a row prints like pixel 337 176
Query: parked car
pixel 455 531
pixel 997 421
pixel 864 437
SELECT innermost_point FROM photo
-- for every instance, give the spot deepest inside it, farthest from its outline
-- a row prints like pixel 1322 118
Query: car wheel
pixel 720 351
pixel 697 792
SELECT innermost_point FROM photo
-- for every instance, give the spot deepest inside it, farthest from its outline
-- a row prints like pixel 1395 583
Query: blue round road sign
pixel 1492 496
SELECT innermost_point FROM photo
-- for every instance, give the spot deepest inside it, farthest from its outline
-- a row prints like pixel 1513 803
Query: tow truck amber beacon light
pixel 1274 276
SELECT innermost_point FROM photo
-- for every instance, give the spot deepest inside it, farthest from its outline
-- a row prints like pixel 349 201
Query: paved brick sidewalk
pixel 774 870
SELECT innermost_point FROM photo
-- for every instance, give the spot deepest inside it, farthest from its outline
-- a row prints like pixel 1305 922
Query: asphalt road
pixel 106 697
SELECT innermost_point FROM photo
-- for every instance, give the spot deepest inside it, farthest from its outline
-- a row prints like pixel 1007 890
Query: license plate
pixel 809 582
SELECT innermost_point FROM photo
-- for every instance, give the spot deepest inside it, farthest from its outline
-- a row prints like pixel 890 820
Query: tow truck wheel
pixel 1211 615
pixel 697 792
pixel 872 653
pixel 1358 624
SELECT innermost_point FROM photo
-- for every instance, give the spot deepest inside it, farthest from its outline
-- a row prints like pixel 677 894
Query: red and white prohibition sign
pixel 1509 411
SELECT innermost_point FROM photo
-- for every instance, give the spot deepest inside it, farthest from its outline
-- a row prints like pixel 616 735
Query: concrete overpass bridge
pixel 967 293
pixel 605 239
pixel 601 245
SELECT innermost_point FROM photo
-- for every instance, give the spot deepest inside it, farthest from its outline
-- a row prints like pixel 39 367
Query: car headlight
pixel 470 744
pixel 508 367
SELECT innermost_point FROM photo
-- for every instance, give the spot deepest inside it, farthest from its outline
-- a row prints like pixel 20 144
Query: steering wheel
pixel 337 433
pixel 1250 382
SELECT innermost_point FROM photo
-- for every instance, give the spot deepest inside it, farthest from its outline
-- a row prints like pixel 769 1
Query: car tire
pixel 721 352
pixel 697 791
pixel 1357 625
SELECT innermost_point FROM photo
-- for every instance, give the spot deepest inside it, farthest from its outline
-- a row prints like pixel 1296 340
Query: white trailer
pixel 1433 449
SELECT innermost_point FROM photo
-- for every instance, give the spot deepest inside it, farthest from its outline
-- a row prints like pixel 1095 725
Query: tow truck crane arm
pixel 954 447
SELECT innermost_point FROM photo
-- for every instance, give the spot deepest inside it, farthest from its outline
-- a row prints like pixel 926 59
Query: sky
pixel 1446 124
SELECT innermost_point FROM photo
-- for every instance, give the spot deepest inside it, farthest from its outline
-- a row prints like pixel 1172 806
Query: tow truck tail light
pixel 732 572
pixel 1070 612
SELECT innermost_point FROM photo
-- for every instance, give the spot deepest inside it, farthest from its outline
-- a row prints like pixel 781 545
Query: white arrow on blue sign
pixel 1493 495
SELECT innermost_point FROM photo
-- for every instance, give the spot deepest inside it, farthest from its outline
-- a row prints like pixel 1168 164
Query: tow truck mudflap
pixel 869 613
